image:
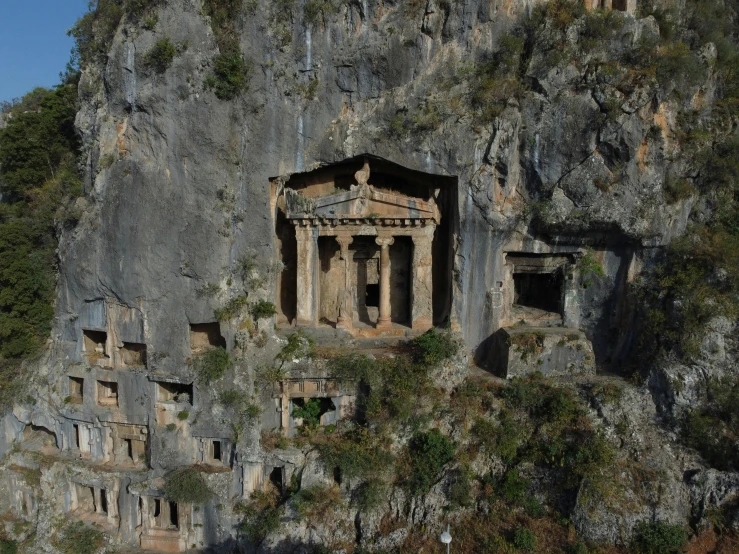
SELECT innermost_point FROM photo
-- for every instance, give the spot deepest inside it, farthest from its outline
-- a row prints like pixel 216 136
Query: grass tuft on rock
pixel 212 364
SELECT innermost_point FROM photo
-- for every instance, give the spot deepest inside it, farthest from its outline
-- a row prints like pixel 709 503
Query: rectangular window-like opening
pixel 104 501
pixel 133 354
pixel 174 392
pixel 94 345
pixel 76 390
pixel 158 513
pixel 85 498
pixel 204 336
pixel 277 479
pixel 619 5
pixel 174 520
pixel 542 291
pixel 107 393
pixel 128 445
pixel 138 451
pixel 76 428
pixel 217 450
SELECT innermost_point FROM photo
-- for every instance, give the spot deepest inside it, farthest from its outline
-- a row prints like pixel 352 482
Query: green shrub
pixel 357 454
pixel 232 397
pixel 317 10
pixel 160 57
pixel 678 189
pixel 677 63
pixel 460 488
pixel 433 347
pixel 387 387
pixel 93 32
pixel 608 393
pixel 430 452
pixel 230 75
pixel 713 425
pixel 263 309
pixel 310 412
pixel 171 427
pixel 232 309
pixel 212 364
pixel 257 526
pixel 591 270
pixel 503 439
pixel 298 346
pixel 207 290
pixel 79 538
pixel 38 177
pixel 524 539
pixel 183 415
pixel 513 487
pixel 370 495
pixel 658 538
pixel 316 501
pixel 8 547
pixel 186 485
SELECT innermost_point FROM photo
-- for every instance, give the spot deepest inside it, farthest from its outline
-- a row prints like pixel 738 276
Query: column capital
pixel 384 240
pixel 344 240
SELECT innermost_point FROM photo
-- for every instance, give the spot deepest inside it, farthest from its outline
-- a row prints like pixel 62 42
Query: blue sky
pixel 34 46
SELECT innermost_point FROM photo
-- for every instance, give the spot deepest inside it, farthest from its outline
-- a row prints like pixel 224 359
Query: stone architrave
pixel 422 282
pixel 384 320
pixel 346 305
pixel 307 241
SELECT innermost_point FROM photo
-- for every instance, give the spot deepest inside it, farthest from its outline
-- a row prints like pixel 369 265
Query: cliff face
pixel 174 169
pixel 553 140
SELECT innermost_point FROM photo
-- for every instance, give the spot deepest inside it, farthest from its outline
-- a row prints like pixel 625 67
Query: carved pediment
pixel 361 202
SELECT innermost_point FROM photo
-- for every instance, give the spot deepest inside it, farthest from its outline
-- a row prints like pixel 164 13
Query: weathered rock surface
pixel 179 191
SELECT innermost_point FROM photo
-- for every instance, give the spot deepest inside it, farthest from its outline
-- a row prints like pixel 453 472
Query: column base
pixel 384 324
pixel 344 323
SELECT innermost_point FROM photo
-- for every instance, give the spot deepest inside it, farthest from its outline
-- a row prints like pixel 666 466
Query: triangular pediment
pixel 360 202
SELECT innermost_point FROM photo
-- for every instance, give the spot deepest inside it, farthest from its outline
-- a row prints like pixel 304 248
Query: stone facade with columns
pixel 349 239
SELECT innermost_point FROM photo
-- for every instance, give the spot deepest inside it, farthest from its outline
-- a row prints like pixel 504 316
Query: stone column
pixel 422 311
pixel 346 305
pixel 384 321
pixel 307 239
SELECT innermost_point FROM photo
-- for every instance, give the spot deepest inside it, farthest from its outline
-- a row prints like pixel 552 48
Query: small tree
pixel 430 452
pixel 160 57
pixel 186 485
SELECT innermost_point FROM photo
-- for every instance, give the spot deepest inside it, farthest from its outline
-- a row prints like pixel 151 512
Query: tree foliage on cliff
pixel 698 277
pixel 38 172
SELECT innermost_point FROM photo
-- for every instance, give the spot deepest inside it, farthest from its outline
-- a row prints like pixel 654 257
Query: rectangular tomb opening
pixel 133 354
pixel 94 345
pixel 174 392
pixel 204 336
pixel 107 393
pixel 76 390
pixel 619 5
pixel 85 499
pixel 537 287
pixel 542 291
pixel 166 514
